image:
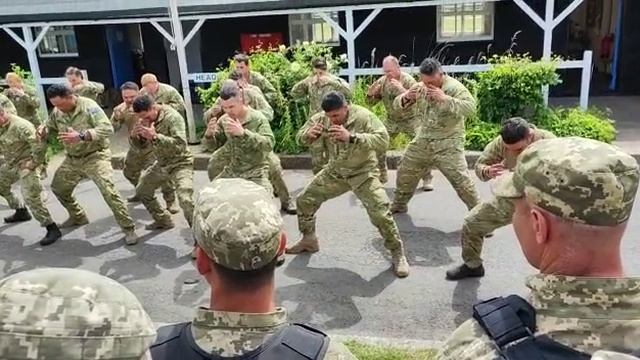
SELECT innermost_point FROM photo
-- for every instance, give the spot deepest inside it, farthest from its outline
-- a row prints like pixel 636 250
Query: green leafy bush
pixel 479 134
pixel 592 124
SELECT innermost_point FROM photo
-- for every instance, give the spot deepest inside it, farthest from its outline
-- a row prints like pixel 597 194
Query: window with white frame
pixel 60 41
pixel 312 27
pixel 469 21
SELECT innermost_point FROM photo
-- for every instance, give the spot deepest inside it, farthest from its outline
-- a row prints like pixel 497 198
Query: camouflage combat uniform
pixel 18 143
pixel 167 95
pixel 87 159
pixel 237 226
pixel 584 182
pixel 398 120
pixel 27 105
pixel 315 91
pixel 438 144
pixel 497 212
pixel 268 90
pixel 351 167
pixel 247 156
pixel 89 89
pixel 140 154
pixel 253 98
pixel 7 105
pixel 174 163
pixel 68 314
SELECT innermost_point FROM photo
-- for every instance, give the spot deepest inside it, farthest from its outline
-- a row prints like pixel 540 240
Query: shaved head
pixel 148 79
pixel 391 67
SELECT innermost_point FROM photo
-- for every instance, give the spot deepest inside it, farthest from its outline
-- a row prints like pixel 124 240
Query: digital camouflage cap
pixel 68 314
pixel 577 179
pixel 237 225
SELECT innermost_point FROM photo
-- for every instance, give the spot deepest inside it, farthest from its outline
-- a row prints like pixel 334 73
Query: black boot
pixel 53 234
pixel 463 272
pixel 19 216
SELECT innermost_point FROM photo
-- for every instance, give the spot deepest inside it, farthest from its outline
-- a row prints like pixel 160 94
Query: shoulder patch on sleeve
pixel 94 111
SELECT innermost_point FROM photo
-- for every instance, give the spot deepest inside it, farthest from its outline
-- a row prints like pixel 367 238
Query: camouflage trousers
pixel 154 177
pixel 97 168
pixel 369 190
pixel 135 162
pixel 445 155
pixel 318 156
pixel 31 192
pixel 482 220
pixel 276 176
pixel 394 130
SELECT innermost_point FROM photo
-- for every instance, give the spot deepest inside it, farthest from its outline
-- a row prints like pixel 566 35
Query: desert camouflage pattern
pixel 67 314
pixel 439 142
pixel 245 157
pixel 18 144
pixel 252 96
pixel 173 165
pixel 577 179
pixel 89 89
pixel 27 105
pixel 167 95
pixel 497 212
pixel 351 167
pixel 586 314
pixel 267 88
pixel 7 105
pixel 612 355
pixel 237 225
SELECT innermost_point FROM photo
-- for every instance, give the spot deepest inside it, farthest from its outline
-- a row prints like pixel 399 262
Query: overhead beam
pixel 87 22
pixel 194 31
pixel 367 21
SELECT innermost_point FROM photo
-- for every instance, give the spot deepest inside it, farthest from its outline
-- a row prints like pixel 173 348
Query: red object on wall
pixel 249 42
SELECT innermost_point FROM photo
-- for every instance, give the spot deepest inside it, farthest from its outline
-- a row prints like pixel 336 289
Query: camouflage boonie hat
pixel 577 179
pixel 68 314
pixel 237 225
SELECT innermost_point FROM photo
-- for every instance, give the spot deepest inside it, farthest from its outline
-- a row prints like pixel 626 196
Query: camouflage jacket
pixel 228 334
pixel 170 145
pixel 7 105
pixel 124 115
pixel 268 90
pixel 351 159
pixel 18 143
pixel 248 154
pixel 315 91
pixel 586 314
pixel 443 120
pixel 253 98
pixel 27 104
pixel 167 95
pixel 388 94
pixel 87 116
pixel 495 152
pixel 89 89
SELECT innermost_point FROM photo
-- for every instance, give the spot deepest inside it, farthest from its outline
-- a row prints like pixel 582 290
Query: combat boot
pixel 399 208
pixel 289 207
pixel 172 207
pixel 308 243
pixel 427 186
pixel 463 271
pixel 74 222
pixel 133 199
pixel 400 264
pixel 161 225
pixel 20 215
pixel 130 237
pixel 53 234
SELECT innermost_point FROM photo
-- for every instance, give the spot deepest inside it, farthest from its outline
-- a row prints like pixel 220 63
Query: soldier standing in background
pixel 314 88
pixel 355 137
pixel 6 104
pixel 498 157
pixel 394 82
pixel 82 87
pixel 140 154
pixel 442 105
pixel 241 63
pixel 84 131
pixel 23 156
pixel 162 94
pixel 23 97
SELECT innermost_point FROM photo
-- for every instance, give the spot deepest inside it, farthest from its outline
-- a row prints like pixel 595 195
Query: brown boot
pixel 130 237
pixel 161 225
pixel 399 208
pixel 308 243
pixel 400 264
pixel 74 222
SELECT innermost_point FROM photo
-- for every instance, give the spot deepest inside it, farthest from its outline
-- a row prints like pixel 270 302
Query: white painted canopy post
pixel 585 84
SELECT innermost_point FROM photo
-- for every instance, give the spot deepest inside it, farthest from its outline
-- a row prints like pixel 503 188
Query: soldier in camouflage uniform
pixel 57 313
pixel 239 235
pixel 386 89
pixel 24 98
pixel 164 128
pixel 252 97
pixel 354 136
pixel 499 156
pixel 140 155
pixel 573 198
pixel 23 156
pixel 163 94
pixel 314 88
pixel 84 131
pixel 241 63
pixel 6 104
pixel 82 87
pixel 442 104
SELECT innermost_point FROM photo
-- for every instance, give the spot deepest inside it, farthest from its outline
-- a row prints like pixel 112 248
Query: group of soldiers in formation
pixel 569 199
